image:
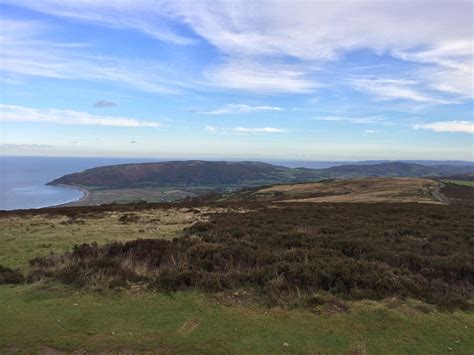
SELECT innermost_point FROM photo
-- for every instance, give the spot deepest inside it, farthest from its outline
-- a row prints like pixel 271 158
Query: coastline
pixel 82 201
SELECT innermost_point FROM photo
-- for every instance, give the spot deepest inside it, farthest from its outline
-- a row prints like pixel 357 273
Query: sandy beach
pixel 83 201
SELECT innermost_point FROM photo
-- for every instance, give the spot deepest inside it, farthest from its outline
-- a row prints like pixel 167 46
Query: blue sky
pixel 322 80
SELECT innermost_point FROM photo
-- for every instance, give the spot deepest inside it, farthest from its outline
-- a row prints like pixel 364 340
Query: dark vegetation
pixel 186 173
pixel 292 254
pixel 222 174
pixel 461 177
pixel 9 276
pixel 459 193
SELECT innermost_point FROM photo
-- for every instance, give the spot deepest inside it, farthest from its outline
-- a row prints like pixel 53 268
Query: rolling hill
pixel 235 174
pixel 194 172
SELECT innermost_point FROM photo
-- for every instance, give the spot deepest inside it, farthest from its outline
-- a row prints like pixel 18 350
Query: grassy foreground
pixel 38 318
pixel 48 317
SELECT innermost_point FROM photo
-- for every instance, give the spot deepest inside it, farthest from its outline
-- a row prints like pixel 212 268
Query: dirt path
pixel 437 195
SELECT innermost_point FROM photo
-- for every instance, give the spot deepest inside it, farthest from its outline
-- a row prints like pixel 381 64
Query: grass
pixel 367 190
pixel 460 182
pixel 24 237
pixel 35 317
pixel 48 315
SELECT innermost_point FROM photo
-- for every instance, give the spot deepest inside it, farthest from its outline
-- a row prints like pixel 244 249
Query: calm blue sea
pixel 23 179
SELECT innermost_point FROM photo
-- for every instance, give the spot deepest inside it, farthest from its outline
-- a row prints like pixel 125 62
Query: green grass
pixel 35 316
pixel 48 315
pixel 460 182
pixel 23 238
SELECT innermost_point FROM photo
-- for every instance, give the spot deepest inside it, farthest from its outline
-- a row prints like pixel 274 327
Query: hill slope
pixel 361 190
pixel 193 172
pixel 394 169
pixel 236 174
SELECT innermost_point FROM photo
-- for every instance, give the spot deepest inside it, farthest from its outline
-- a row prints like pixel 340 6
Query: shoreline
pixel 82 200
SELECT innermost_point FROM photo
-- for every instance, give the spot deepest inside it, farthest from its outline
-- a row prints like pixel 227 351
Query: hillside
pixel 461 177
pixel 194 172
pixel 361 190
pixel 234 174
pixel 395 169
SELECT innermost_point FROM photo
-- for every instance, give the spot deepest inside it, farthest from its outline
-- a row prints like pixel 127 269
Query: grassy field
pixel 46 317
pixel 460 182
pixel 25 237
pixel 49 316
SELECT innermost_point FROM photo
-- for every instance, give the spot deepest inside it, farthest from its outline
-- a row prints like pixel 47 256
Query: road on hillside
pixel 437 195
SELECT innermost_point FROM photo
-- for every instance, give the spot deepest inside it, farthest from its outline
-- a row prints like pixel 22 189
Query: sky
pixel 306 80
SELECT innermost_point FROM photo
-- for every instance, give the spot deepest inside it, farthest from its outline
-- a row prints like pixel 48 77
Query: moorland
pixel 273 269
pixel 174 180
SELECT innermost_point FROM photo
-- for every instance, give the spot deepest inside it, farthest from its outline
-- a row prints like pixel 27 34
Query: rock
pixel 286 344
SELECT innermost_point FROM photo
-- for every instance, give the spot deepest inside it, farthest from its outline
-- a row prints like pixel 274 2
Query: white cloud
pixel 394 89
pixel 24 53
pixel 10 113
pixel 360 120
pixel 241 108
pixel 452 66
pixel 266 31
pixel 244 130
pixel 146 16
pixel 372 131
pixel 260 78
pixel 448 126
pixel 323 29
pixel 271 46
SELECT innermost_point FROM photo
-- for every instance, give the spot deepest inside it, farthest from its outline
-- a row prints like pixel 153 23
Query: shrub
pixel 367 251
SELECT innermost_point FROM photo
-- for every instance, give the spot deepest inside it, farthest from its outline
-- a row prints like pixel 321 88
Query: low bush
pixel 289 251
pixel 9 276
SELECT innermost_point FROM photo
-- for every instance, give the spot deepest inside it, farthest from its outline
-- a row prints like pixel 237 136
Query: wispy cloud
pixel 25 53
pixel 244 130
pixel 10 113
pixel 272 46
pixel 448 126
pixel 146 16
pixel 260 78
pixel 359 120
pixel 451 67
pixel 396 89
pixel 241 108
pixel 104 104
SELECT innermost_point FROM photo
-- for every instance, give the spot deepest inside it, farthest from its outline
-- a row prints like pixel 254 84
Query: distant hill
pixel 236 174
pixel 393 169
pixel 194 172
pixel 460 177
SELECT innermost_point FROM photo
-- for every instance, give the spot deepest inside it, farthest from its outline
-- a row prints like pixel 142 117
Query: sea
pixel 23 179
